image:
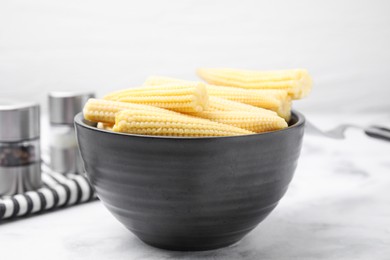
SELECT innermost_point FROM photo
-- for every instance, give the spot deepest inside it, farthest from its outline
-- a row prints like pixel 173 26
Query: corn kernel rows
pixel 156 123
pixel 175 96
pixel 296 82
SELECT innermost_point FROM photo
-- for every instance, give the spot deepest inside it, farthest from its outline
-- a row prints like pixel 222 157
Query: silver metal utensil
pixel 64 152
pixel 20 169
pixel 338 132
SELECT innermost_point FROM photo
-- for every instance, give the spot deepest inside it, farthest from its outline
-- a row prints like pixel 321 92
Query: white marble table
pixel 337 207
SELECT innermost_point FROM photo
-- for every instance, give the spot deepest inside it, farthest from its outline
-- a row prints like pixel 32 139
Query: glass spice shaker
pixel 20 161
pixel 64 152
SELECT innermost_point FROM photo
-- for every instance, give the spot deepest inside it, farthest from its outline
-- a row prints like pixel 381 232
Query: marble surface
pixel 337 207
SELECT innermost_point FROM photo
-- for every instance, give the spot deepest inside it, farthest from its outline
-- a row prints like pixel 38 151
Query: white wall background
pixel 107 45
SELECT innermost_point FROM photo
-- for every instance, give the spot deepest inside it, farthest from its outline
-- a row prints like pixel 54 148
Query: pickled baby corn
pixel 252 121
pixel 296 82
pixel 177 96
pixel 104 111
pixel 221 104
pixel 275 100
pixel 234 102
pixel 161 124
pixel 272 99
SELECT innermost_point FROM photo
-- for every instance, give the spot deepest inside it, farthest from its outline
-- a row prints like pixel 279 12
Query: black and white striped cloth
pixel 58 191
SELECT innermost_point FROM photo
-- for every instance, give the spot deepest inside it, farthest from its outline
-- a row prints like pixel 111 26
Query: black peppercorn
pixel 16 154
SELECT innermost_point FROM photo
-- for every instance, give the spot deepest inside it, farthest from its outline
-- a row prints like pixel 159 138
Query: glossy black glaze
pixel 190 193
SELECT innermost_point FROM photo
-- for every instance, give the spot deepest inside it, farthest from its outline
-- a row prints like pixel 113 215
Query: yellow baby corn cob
pixel 252 121
pixel 272 99
pixel 104 111
pixel 296 82
pixel 161 124
pixel 188 97
pixel 221 104
pixel 275 100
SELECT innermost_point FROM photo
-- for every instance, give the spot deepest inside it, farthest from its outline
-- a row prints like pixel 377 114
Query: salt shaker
pixel 20 168
pixel 64 153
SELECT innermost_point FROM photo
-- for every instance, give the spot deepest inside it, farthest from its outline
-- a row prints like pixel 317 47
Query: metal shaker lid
pixel 63 106
pixel 19 121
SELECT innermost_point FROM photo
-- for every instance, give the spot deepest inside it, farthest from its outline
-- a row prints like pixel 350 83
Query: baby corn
pixel 275 100
pixel 296 82
pixel 221 104
pixel 188 97
pixel 252 121
pixel 104 111
pixel 161 124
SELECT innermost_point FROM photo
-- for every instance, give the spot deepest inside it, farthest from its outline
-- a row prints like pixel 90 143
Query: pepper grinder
pixel 20 157
pixel 64 152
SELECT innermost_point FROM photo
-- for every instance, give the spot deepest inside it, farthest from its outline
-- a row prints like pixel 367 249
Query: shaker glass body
pixel 20 154
pixel 64 153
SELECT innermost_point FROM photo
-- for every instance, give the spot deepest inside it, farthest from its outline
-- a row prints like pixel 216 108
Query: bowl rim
pixel 78 120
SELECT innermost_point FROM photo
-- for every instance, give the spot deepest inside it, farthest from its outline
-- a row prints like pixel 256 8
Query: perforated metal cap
pixel 18 121
pixel 63 106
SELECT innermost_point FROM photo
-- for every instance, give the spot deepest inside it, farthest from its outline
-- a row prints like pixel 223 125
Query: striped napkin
pixel 58 191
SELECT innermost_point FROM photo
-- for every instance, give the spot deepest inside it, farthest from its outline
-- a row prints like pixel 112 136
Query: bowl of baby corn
pixel 190 165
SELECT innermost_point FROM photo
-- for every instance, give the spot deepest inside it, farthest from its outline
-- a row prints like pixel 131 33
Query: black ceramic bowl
pixel 190 193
